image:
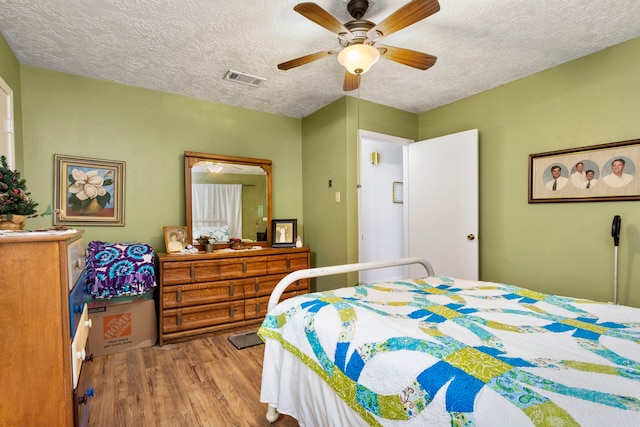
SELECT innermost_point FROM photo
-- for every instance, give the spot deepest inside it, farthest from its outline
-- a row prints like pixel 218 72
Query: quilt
pixel 444 351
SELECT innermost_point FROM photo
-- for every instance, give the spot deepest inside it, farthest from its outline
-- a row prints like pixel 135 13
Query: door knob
pixel 470 236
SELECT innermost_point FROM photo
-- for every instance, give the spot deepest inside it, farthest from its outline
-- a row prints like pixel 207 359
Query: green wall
pixel 563 248
pixel 330 152
pixel 149 130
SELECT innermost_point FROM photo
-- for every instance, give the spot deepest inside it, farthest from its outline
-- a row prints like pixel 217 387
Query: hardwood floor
pixel 202 382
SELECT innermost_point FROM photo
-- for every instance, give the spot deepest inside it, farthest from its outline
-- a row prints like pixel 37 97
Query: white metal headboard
pixel 340 269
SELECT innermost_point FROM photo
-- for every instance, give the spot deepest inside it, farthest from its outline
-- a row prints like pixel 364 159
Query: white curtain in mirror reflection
pixel 216 209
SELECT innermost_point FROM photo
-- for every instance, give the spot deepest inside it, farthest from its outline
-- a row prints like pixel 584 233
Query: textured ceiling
pixel 186 46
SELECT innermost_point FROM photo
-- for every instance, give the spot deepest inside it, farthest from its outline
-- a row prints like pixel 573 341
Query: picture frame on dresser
pixel 89 191
pixel 175 238
pixel 284 232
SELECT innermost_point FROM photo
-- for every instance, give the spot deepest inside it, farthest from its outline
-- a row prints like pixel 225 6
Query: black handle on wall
pixel 615 230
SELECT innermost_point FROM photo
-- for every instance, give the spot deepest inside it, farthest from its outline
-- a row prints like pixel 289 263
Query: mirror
pixel 227 197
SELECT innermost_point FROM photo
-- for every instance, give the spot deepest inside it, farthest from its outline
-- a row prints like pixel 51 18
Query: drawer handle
pixel 193 271
pixel 231 290
pixel 231 311
pixel 258 308
pixel 179 295
pixel 85 399
pixel 244 267
pixel 89 358
pixel 257 286
pixel 179 319
pixel 288 263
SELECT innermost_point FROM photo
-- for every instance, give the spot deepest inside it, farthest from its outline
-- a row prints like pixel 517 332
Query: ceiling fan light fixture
pixel 358 58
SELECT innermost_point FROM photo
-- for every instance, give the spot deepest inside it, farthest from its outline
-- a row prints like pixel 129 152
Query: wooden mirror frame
pixel 191 158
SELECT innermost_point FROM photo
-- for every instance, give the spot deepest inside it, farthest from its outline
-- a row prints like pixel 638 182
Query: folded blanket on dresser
pixel 118 269
pixel 442 351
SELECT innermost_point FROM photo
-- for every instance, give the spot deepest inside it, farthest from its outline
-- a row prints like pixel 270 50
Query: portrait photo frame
pixel 596 173
pixel 89 191
pixel 284 233
pixel 397 196
pixel 175 238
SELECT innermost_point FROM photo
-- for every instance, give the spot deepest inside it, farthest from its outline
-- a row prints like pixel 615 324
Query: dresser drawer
pixel 203 293
pixel 243 267
pixel 79 343
pixel 200 316
pixel 190 271
pixel 265 285
pixel 287 263
pixel 262 285
pixel 75 261
pixel 257 307
pixel 77 297
pixel 82 396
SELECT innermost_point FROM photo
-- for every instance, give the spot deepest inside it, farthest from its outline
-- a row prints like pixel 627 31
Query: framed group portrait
pixel 605 172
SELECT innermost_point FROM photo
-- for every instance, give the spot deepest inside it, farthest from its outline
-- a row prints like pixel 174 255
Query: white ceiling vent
pixel 245 79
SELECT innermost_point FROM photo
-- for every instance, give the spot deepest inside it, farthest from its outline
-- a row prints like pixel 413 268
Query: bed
pixel 439 351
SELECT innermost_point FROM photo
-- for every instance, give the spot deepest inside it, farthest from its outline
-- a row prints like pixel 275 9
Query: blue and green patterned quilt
pixel 440 351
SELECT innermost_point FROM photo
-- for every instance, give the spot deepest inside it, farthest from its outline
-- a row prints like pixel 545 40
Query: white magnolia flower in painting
pixel 88 185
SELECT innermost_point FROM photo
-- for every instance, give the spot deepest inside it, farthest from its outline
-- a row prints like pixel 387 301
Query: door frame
pixel 384 138
pixel 7 130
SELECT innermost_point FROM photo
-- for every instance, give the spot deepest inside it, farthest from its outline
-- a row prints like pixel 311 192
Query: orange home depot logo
pixel 118 325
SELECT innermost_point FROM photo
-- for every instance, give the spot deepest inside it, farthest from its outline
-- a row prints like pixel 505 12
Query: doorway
pixel 381 220
pixel 437 218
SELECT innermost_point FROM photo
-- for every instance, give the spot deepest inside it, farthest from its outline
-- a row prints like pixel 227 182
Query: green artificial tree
pixel 14 198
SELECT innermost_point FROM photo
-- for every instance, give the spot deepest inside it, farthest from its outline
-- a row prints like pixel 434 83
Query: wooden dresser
pixel 207 292
pixel 44 382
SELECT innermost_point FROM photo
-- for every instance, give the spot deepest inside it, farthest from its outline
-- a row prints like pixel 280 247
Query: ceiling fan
pixel 358 38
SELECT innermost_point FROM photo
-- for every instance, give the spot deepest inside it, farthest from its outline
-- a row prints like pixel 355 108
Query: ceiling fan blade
pixel 351 81
pixel 315 13
pixel 410 13
pixel 408 57
pixel 304 59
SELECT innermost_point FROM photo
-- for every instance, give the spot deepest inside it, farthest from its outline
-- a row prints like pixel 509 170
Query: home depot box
pixel 122 324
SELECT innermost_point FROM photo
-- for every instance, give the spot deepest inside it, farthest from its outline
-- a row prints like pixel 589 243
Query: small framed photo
pixel 397 192
pixel 89 191
pixel 606 172
pixel 175 238
pixel 284 232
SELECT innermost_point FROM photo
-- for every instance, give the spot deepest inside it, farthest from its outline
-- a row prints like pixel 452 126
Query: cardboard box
pixel 122 324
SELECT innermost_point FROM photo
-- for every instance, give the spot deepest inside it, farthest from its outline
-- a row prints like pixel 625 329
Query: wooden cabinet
pixel 38 368
pixel 206 292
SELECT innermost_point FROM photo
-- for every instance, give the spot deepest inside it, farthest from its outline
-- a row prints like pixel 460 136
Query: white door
pixel 441 204
pixel 6 124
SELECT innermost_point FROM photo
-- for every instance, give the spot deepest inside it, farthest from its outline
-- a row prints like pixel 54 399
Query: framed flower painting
pixel 89 191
